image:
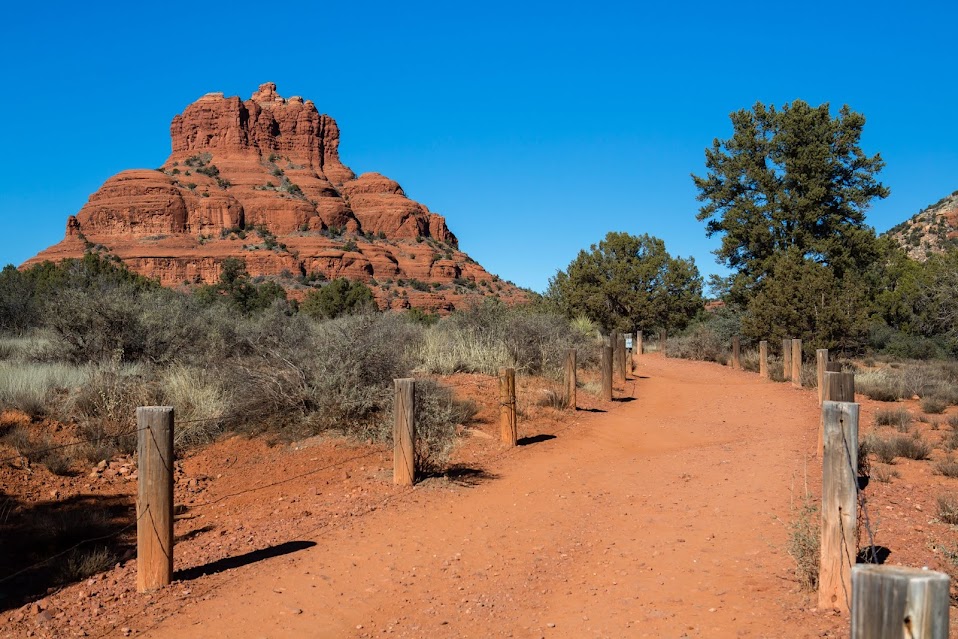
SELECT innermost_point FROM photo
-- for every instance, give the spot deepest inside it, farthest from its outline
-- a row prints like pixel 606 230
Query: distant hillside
pixel 932 230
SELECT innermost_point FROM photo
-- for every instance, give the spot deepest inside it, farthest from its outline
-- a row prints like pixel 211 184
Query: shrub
pixel 699 342
pixel 201 402
pixel 948 508
pixel 947 467
pixel 82 563
pixel 933 405
pixel 884 473
pixel 897 417
pixel 339 297
pixel 911 447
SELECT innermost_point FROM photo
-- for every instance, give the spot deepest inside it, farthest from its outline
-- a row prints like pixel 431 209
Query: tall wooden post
pixel 154 503
pixel 616 342
pixel 736 352
pixel 763 358
pixel 570 379
pixel 838 387
pixel 893 601
pixel 507 406
pixel 797 363
pixel 404 432
pixel 787 358
pixel 663 339
pixel 839 547
pixel 821 359
pixel 606 368
pixel 638 343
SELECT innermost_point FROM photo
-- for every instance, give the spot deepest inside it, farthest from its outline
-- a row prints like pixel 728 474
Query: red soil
pixel 662 516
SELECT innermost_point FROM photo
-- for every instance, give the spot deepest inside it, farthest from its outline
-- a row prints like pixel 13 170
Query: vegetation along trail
pixel 664 517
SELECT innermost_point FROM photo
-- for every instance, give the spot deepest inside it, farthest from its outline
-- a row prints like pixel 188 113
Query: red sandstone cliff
pixel 261 180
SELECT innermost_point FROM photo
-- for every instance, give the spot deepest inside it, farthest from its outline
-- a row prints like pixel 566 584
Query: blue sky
pixel 535 128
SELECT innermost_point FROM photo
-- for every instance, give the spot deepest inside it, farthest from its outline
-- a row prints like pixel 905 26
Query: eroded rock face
pixel 262 180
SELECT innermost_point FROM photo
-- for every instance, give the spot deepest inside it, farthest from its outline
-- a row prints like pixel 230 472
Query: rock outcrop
pixel 262 180
pixel 932 230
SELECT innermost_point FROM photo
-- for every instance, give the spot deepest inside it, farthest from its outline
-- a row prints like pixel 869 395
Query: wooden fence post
pixel 787 358
pixel 763 358
pixel 838 387
pixel 736 352
pixel 839 547
pixel 154 503
pixel 570 379
pixel 663 339
pixel 404 432
pixel 797 363
pixel 622 357
pixel 893 601
pixel 607 373
pixel 616 343
pixel 638 344
pixel 507 406
pixel 821 359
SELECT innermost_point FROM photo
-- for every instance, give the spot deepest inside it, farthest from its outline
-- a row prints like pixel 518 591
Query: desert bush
pixel 749 359
pixel 881 385
pixel 897 417
pixel 552 398
pixel 82 562
pixel 950 441
pixel 933 405
pixel 105 407
pixel 948 508
pixel 804 544
pixel 882 448
pixel 776 371
pixel 701 341
pixel 809 375
pixel 490 335
pixel 947 467
pixel 913 447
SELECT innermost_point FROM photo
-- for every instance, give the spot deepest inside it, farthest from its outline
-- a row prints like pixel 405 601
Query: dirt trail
pixel 661 518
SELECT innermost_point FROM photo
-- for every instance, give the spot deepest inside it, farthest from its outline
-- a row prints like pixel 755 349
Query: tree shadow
pixel 873 555
pixel 535 439
pixel 49 544
pixel 466 475
pixel 228 563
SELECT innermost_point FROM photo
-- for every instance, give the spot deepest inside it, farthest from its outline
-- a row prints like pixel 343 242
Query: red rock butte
pixel 261 180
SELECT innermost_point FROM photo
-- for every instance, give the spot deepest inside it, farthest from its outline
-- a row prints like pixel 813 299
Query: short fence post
pixel 797 363
pixel 638 343
pixel 839 546
pixel 607 373
pixel 507 406
pixel 663 338
pixel 404 432
pixel 736 352
pixel 893 601
pixel 154 503
pixel 838 387
pixel 570 379
pixel 763 358
pixel 787 358
pixel 821 358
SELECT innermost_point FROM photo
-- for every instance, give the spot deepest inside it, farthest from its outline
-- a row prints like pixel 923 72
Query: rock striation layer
pixel 261 180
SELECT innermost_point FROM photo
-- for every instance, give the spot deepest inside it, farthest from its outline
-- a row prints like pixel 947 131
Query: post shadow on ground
pixel 534 439
pixel 624 400
pixel 873 555
pixel 461 475
pixel 228 563
pixel 589 410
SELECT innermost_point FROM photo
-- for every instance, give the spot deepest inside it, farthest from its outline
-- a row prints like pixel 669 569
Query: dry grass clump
pixel 201 401
pixel 948 508
pixel 884 473
pixel 552 398
pixel 33 387
pixel 897 417
pixel 803 544
pixel 882 385
pixel 809 375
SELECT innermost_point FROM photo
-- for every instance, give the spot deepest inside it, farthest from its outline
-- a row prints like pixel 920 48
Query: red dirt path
pixel 662 517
